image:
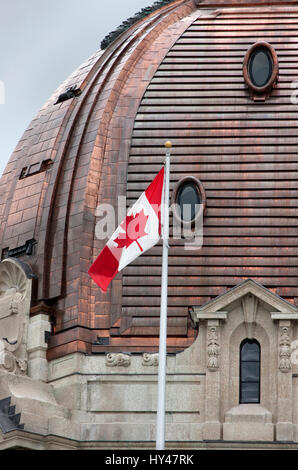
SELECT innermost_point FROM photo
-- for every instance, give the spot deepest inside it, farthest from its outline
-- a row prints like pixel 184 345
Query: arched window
pixel 250 359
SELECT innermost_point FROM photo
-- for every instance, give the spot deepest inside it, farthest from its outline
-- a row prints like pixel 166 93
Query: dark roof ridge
pixel 243 3
pixel 109 38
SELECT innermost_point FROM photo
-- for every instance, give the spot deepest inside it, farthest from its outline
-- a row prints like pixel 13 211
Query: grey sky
pixel 41 43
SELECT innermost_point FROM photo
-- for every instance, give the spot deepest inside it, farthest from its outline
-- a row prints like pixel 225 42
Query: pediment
pixel 218 308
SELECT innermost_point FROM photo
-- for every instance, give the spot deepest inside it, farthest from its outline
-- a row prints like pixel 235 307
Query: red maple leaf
pixel 134 226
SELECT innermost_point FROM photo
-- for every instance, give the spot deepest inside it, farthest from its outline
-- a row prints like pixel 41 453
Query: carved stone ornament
pixel 10 363
pixel 212 348
pixel 284 349
pixel 150 359
pixel 117 359
pixel 250 307
pixel 15 297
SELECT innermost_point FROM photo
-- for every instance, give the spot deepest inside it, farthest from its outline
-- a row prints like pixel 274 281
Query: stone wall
pixel 109 400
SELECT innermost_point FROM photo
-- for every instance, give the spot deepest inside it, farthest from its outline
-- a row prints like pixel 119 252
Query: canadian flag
pixel 139 231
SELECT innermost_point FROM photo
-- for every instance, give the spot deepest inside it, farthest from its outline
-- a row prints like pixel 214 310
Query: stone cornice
pixel 209 315
pixel 284 316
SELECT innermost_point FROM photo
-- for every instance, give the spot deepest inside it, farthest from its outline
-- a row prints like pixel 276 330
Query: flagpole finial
pixel 168 144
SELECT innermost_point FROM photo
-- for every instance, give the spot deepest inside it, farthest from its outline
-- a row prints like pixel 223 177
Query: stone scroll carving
pixel 117 359
pixel 213 348
pixel 284 349
pixel 150 359
pixel 15 298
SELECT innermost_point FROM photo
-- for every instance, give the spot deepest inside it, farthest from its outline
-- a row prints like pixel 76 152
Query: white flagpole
pixel 160 421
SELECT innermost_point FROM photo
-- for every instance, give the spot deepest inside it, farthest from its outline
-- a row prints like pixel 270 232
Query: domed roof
pixel 176 73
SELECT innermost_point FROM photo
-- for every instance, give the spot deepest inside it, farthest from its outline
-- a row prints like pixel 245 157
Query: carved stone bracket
pixel 250 307
pixel 150 359
pixel 284 348
pixel 117 359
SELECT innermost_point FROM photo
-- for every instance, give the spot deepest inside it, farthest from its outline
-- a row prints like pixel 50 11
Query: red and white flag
pixel 139 231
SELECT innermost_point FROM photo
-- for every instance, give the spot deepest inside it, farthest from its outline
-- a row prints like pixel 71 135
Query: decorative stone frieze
pixel 118 359
pixel 150 359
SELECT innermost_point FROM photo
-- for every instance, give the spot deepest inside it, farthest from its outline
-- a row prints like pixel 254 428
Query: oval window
pixel 188 200
pixel 260 67
pixel 260 70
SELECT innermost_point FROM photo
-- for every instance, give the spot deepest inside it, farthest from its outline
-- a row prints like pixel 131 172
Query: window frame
pixel 202 195
pixel 264 91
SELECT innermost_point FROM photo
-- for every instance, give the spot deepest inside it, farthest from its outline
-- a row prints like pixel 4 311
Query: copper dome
pixel 174 74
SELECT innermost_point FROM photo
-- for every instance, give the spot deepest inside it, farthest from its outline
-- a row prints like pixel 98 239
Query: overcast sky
pixel 41 43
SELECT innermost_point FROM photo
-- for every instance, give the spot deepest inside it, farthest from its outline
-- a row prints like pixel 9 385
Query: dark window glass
pixel 188 199
pixel 260 67
pixel 250 351
pixel 250 392
pixel 250 372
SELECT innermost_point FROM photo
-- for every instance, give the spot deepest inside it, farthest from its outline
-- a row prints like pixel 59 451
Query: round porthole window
pixel 260 68
pixel 188 199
